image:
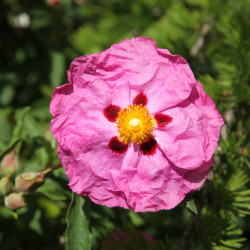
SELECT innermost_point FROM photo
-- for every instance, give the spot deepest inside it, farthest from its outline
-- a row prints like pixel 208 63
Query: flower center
pixel 135 124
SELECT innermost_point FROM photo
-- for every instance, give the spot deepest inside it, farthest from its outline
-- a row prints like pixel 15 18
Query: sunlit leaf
pixel 191 206
pixel 78 236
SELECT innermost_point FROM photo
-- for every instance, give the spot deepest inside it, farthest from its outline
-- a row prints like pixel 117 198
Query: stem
pixel 191 223
pixel 51 168
pixel 201 39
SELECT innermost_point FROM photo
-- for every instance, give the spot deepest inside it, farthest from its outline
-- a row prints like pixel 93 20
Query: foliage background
pixel 38 41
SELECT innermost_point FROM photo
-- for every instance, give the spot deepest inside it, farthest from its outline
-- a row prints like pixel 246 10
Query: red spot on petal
pixel 149 147
pixel 162 120
pixel 111 112
pixel 117 146
pixel 140 99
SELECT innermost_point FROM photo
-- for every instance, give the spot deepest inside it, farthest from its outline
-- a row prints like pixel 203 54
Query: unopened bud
pixel 5 185
pixel 54 2
pixel 14 201
pixel 29 181
pixel 22 21
pixel 9 163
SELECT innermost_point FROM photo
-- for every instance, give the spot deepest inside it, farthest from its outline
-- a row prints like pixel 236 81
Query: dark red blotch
pixel 111 112
pixel 162 120
pixel 117 146
pixel 149 147
pixel 140 99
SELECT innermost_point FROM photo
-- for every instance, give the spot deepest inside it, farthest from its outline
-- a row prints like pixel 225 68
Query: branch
pixel 200 41
pixel 51 168
pixel 191 223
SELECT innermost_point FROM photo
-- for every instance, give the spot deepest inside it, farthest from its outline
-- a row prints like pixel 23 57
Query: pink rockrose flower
pixel 135 129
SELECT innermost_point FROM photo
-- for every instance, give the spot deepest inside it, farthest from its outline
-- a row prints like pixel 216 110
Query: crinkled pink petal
pixel 190 140
pixel 150 184
pixel 166 78
pixel 74 111
pixel 103 72
pixel 193 179
pixel 88 166
pixel 212 118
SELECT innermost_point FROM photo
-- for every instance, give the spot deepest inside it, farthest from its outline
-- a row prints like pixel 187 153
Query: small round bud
pixel 22 21
pixel 14 201
pixel 29 181
pixel 9 164
pixel 5 185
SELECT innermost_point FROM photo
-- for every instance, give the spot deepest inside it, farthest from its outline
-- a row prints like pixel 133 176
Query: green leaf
pixel 5 128
pixel 136 218
pixel 31 127
pixel 35 223
pixel 50 208
pixel 191 206
pixel 8 148
pixel 20 122
pixel 57 68
pixel 53 190
pixel 7 95
pixel 78 235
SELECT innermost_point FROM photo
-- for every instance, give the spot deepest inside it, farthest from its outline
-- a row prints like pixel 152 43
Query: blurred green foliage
pixel 38 41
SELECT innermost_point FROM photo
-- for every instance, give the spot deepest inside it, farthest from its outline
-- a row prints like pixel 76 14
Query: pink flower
pixel 134 127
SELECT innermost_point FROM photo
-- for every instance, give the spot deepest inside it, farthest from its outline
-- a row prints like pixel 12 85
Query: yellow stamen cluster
pixel 135 124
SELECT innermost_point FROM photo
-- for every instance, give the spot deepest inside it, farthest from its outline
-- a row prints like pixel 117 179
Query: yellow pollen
pixel 135 124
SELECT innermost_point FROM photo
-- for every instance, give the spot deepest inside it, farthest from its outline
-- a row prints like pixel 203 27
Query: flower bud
pixel 14 201
pixel 29 181
pixel 22 21
pixel 5 185
pixel 54 3
pixel 9 163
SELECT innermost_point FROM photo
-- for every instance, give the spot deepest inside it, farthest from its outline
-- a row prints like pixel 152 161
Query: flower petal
pixel 150 69
pixel 149 147
pixel 76 110
pixel 104 166
pixel 117 146
pixel 111 112
pixel 140 99
pixel 190 140
pixel 88 164
pixel 103 71
pixel 162 120
pixel 152 185
pixel 193 179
